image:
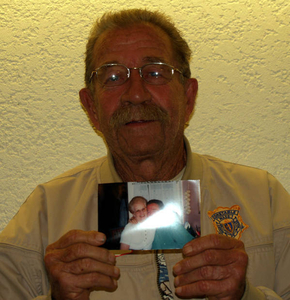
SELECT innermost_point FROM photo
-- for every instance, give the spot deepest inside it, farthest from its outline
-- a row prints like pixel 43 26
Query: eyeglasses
pixel 157 73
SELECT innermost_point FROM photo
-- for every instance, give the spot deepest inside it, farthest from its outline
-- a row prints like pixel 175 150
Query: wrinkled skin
pixel 143 146
pixel 77 265
pixel 214 266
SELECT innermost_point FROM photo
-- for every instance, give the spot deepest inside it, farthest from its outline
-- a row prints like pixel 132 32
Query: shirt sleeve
pixel 22 274
pixel 280 205
pixel 281 236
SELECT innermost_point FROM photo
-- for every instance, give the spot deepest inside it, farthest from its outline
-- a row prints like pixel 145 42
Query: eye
pixel 157 73
pixel 112 75
pixel 152 72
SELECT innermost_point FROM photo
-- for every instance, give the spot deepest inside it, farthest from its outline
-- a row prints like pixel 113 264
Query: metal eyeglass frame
pixel 173 70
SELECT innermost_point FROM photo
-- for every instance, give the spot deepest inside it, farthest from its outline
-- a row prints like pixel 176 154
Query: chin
pixel 144 147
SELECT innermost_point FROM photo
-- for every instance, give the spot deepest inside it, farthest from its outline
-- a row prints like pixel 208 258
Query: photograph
pixel 145 149
pixel 149 215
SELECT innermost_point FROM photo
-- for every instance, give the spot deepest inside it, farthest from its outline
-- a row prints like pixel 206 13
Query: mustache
pixel 141 112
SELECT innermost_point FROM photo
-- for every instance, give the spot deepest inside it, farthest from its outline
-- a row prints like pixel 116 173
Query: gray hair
pixel 130 17
pixel 134 201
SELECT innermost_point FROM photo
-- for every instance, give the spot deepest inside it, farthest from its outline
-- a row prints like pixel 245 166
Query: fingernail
pixel 177 268
pixel 101 238
pixel 187 249
pixel 115 282
pixel 112 258
pixel 178 290
pixel 176 281
pixel 116 271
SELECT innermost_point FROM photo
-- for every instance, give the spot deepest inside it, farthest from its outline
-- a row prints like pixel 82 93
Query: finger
pixel 72 284
pixel 211 257
pixel 212 241
pixel 203 273
pixel 86 265
pixel 219 289
pixel 93 238
pixel 97 281
pixel 79 251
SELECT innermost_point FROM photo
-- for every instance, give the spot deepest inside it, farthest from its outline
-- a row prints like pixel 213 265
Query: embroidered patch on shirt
pixel 227 221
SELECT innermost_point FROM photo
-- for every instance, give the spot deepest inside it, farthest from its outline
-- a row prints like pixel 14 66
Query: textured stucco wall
pixel 241 59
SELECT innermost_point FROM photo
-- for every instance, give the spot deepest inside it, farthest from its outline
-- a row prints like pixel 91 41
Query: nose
pixel 136 91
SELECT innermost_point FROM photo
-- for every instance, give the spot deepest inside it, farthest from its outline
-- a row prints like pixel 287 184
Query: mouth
pixel 139 122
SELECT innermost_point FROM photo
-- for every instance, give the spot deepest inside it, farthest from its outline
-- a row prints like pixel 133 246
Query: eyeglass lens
pixel 118 74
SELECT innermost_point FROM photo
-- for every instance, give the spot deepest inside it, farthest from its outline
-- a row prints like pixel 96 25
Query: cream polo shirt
pixel 70 202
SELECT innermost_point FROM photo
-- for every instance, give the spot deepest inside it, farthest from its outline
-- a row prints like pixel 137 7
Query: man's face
pixel 140 136
pixel 140 211
pixel 152 208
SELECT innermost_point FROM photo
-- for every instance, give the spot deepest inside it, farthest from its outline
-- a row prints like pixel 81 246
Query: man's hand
pixel 77 265
pixel 214 266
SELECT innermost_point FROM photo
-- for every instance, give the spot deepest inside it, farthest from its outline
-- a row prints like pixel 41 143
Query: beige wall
pixel 241 59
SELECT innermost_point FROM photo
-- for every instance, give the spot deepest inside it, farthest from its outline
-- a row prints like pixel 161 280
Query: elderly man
pixel 139 95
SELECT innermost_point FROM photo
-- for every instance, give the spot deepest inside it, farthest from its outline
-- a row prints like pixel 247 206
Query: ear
pixel 89 105
pixel 191 88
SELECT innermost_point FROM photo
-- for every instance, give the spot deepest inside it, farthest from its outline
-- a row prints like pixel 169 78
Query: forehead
pixel 153 206
pixel 139 203
pixel 132 44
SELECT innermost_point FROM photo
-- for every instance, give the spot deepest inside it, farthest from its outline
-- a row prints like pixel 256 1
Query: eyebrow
pixel 146 59
pixel 110 62
pixel 153 59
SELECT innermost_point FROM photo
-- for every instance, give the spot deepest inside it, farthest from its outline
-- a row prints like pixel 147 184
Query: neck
pixel 162 166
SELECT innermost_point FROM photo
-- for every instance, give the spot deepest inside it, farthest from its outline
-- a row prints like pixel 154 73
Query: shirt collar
pixel 193 169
